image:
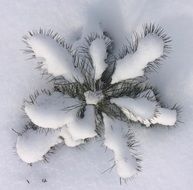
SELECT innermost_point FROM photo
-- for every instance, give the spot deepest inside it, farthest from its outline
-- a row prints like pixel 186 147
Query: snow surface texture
pixel 87 117
pixel 164 150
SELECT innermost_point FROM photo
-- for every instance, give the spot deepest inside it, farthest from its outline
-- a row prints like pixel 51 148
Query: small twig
pixel 109 169
pixel 44 180
pixel 19 134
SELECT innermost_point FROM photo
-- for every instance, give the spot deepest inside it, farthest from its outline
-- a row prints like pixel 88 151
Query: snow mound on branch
pixel 56 58
pixel 31 146
pixel 82 128
pixel 131 66
pixel 52 111
pixel 68 139
pixel 165 117
pixel 116 139
pixel 146 111
pixel 140 107
pixel 98 54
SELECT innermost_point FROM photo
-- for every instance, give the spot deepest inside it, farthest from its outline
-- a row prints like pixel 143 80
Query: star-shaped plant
pixel 96 94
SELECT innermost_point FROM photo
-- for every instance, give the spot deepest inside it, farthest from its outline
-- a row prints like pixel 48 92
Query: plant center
pixel 93 97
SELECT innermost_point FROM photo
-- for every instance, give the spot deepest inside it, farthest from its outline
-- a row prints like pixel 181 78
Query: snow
pixel 52 111
pixel 146 111
pixel 149 49
pixel 165 117
pixel 116 140
pixel 139 109
pixel 125 167
pixel 93 97
pixel 68 139
pixel 56 58
pixel 98 54
pixel 167 154
pixel 32 145
pixel 82 128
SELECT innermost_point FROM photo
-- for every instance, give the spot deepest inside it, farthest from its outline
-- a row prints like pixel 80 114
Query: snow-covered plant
pixel 96 93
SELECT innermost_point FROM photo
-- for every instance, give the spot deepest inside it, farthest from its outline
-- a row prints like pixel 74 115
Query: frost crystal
pixel 96 94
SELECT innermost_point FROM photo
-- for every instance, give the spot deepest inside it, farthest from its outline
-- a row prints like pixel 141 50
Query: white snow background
pixel 167 153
